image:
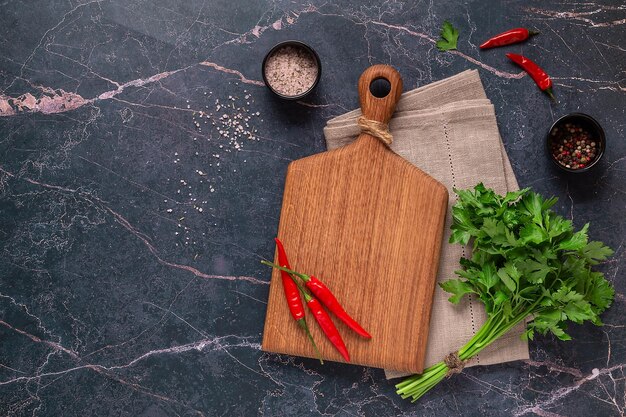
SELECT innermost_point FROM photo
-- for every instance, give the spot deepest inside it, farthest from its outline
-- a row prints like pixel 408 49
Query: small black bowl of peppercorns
pixel 576 142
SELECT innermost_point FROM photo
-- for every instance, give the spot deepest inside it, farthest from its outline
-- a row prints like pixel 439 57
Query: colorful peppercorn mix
pixel 573 146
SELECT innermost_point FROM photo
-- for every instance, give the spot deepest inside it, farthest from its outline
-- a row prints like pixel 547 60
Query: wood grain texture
pixel 375 108
pixel 369 224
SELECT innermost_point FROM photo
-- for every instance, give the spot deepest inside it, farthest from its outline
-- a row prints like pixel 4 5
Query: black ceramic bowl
pixel 299 45
pixel 587 123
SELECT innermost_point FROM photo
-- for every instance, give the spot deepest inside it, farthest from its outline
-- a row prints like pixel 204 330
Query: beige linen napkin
pixel 448 129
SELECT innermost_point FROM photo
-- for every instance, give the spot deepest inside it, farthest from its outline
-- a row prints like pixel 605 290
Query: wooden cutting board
pixel 368 224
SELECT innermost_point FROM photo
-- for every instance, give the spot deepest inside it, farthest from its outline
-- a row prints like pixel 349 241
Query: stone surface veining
pixel 142 164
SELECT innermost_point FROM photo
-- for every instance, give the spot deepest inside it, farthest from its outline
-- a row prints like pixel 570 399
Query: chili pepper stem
pixel 303 325
pixel 305 293
pixel 549 92
pixel 303 277
pixel 533 33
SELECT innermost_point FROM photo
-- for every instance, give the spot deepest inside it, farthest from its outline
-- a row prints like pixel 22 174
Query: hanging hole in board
pixel 380 87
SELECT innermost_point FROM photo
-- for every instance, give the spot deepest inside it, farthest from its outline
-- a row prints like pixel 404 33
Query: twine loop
pixel 454 363
pixel 377 129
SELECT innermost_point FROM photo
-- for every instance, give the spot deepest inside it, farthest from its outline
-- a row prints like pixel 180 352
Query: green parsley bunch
pixel 527 263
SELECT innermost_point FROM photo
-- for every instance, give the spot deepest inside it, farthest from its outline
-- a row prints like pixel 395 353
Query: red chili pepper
pixel 538 75
pixel 292 295
pixel 510 36
pixel 327 298
pixel 321 291
pixel 321 316
pixel 327 325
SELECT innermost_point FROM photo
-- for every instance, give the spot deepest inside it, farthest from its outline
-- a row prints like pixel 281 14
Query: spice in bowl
pixel 291 69
pixel 573 146
pixel 576 142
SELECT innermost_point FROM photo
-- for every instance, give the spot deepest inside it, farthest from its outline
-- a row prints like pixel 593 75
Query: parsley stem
pixel 495 326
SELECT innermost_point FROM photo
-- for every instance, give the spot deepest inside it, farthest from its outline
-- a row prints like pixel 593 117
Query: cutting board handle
pixel 375 108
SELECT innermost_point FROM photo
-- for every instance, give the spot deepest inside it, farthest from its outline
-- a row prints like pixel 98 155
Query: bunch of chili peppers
pixel 293 288
pixel 516 35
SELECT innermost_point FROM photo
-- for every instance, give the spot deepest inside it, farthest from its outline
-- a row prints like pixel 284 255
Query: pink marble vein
pixel 51 101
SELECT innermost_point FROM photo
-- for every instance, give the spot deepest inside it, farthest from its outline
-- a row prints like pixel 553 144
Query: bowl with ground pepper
pixel 291 70
pixel 576 142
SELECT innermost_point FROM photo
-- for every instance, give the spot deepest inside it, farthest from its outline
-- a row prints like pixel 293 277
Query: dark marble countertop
pixel 131 230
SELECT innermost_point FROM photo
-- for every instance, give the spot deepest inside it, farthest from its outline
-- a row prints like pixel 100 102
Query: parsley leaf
pixel 535 271
pixel 449 37
pixel 596 251
pixel 600 292
pixel 488 275
pixel 513 196
pixel 531 233
pixel 578 311
pixel 577 241
pixel 457 287
pixel 558 226
pixel 533 202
